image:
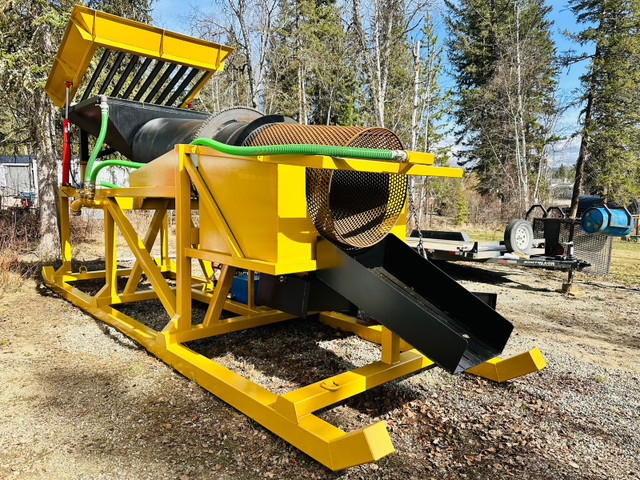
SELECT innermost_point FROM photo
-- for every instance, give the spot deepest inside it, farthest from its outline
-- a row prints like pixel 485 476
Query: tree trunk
pixel 416 85
pixel 584 143
pixel 377 65
pixel 46 158
pixel 520 132
pixel 240 11
pixel 582 155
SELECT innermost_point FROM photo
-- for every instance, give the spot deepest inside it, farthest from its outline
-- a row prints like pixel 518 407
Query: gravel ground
pixel 82 401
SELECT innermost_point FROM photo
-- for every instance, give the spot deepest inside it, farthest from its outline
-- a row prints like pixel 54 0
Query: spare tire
pixel 518 236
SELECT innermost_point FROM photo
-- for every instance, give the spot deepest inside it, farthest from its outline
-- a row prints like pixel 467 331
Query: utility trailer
pixel 459 247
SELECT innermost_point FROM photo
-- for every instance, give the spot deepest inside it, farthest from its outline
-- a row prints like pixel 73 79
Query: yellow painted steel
pixel 289 415
pixel 415 165
pixel 501 370
pixel 252 214
pixel 497 369
pixel 267 227
pixel 89 29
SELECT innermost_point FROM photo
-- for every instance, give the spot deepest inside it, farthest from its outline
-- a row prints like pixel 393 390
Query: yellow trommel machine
pixel 316 212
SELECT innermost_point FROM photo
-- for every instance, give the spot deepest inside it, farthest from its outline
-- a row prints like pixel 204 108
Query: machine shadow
pixel 287 355
pixel 476 273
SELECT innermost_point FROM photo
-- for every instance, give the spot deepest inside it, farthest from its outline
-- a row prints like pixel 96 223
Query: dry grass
pixel 625 263
pixel 18 231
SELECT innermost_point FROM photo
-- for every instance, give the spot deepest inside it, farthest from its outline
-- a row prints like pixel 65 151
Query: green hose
pixel 104 122
pixel 328 150
pixel 111 163
pixel 108 185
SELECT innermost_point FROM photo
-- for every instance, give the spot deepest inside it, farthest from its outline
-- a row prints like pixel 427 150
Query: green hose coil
pixel 104 122
pixel 111 163
pixel 298 149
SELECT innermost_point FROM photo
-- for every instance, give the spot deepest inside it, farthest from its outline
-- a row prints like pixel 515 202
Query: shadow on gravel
pixel 112 423
pixel 284 356
pixel 471 273
pixel 108 331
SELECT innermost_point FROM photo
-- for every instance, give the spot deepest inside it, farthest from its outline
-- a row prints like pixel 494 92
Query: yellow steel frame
pixel 89 29
pixel 289 415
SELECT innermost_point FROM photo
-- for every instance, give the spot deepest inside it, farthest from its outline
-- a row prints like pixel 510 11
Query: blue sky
pixel 174 15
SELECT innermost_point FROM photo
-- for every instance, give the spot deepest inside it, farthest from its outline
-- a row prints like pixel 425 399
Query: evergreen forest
pixel 475 82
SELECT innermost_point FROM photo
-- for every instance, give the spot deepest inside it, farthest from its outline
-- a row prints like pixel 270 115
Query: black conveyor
pixel 419 302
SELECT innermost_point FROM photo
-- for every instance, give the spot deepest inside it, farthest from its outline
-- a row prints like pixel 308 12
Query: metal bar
pixel 106 151
pixel 134 297
pixel 84 275
pixel 110 267
pixel 150 78
pixel 171 84
pixel 251 296
pixel 298 403
pixel 338 163
pixel 143 68
pixel 371 333
pixel 170 68
pixel 149 240
pixel 390 346
pixel 112 72
pixel 230 305
pixel 203 78
pixel 219 296
pixel 149 267
pixel 233 324
pixel 182 321
pixel 181 88
pixel 96 73
pixel 65 241
pixel 212 208
pixel 501 370
pixel 164 243
pixel 133 61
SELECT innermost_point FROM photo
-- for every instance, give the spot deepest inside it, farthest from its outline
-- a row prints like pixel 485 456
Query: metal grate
pixel 352 209
pixel 124 75
pixel 595 249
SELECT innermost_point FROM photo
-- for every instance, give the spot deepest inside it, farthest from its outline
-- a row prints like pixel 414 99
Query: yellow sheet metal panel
pixel 400 228
pixel 265 207
pixel 296 233
pixel 89 29
pixel 246 194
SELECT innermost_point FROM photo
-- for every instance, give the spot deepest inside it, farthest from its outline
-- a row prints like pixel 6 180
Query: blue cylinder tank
pixel 616 223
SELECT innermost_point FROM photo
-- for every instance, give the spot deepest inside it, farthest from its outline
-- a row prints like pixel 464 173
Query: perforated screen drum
pixel 352 209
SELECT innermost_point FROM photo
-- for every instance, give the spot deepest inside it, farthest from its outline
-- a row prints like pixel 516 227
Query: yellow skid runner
pixel 289 415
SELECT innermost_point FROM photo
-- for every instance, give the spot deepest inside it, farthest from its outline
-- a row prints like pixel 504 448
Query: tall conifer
pixel 503 63
pixel 610 145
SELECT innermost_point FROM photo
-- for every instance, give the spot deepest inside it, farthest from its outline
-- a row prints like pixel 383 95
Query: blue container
pixel 615 223
pixel 239 285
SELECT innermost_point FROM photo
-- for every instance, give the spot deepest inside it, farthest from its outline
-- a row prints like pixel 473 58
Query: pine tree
pixel 503 62
pixel 309 73
pixel 610 145
pixel 31 31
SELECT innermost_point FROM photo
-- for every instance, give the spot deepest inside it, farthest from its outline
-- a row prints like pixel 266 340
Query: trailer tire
pixel 518 236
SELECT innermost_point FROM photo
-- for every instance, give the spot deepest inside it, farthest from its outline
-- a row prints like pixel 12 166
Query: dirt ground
pixel 81 401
